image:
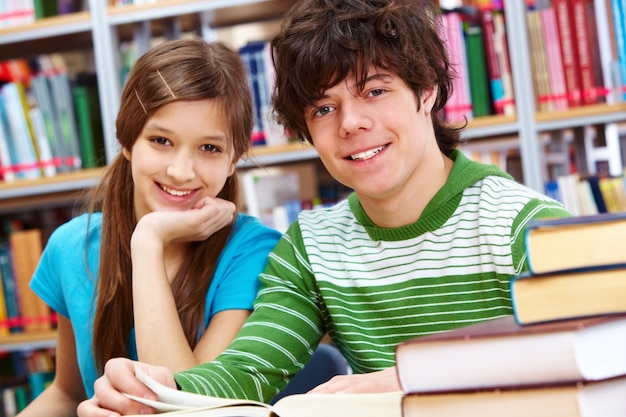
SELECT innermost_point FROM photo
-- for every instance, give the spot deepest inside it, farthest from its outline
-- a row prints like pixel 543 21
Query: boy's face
pixel 375 141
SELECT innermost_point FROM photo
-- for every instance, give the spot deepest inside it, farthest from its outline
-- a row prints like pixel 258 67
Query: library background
pixel 541 84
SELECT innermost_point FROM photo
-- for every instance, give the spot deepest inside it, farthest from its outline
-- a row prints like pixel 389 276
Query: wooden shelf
pixel 582 116
pixel 28 341
pixel 58 33
pixel 222 12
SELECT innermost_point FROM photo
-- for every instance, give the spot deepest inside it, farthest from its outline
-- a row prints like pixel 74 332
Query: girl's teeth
pixel 367 154
pixel 175 192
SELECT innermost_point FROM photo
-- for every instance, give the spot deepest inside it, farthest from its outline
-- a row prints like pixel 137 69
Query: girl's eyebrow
pixel 161 129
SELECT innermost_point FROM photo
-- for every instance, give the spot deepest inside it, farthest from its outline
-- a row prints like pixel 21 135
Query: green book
pixel 90 136
pixel 477 70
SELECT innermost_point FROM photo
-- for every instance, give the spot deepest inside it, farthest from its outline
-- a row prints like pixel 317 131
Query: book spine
pixel 493 66
pixel 477 71
pixel 502 52
pixel 538 61
pixel 619 15
pixel 43 144
pixel 9 286
pixel 588 92
pixel 568 50
pixel 554 61
pixel 21 143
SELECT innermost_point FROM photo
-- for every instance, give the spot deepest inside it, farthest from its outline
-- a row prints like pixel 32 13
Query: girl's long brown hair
pixel 187 69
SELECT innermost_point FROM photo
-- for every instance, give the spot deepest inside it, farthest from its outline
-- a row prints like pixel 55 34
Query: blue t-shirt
pixel 63 282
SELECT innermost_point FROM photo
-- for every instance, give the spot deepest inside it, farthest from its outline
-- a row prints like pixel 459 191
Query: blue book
pixel 9 287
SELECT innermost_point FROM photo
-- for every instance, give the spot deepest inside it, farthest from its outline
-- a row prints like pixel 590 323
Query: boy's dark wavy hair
pixel 322 42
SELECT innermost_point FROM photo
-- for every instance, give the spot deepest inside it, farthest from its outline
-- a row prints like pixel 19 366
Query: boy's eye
pixel 321 111
pixel 376 92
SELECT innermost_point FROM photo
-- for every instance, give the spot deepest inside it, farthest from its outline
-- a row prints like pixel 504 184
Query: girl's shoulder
pixel 77 226
pixel 250 225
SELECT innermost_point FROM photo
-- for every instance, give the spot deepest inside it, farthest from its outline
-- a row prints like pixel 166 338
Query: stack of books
pixel 561 354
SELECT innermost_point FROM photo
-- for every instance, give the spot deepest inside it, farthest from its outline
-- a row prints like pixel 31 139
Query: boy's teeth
pixel 367 154
pixel 175 192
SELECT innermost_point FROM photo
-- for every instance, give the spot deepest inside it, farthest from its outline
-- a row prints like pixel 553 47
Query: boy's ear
pixel 429 96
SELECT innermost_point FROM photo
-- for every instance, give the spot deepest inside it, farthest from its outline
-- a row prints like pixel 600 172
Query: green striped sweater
pixel 371 288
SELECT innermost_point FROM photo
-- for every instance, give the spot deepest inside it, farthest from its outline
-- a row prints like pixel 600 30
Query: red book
pixel 584 48
pixel 569 54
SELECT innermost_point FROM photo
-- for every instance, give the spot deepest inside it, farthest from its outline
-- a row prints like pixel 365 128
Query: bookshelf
pixel 103 28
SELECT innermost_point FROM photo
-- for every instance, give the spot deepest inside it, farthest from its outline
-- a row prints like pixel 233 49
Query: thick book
pixel 576 242
pixel 567 295
pixel 173 402
pixel 500 354
pixel 598 399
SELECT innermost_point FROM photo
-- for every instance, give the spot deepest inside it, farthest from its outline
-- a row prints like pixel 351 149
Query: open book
pixel 178 403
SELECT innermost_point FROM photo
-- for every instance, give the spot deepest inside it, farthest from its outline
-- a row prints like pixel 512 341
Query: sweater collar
pixel 465 173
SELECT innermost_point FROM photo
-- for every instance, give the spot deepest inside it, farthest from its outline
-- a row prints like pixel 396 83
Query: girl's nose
pixel 181 169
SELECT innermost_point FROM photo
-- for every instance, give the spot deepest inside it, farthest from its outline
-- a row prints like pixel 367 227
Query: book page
pixel 169 399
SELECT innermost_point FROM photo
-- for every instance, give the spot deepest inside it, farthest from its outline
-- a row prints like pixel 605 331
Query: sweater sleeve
pixel 278 338
pixel 535 209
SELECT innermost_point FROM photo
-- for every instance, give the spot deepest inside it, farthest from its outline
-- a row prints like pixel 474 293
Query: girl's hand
pixel 206 218
pixel 119 377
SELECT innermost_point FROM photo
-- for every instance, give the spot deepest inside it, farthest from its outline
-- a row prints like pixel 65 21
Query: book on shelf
pixel 539 61
pixel 459 105
pixel 502 54
pixel 41 90
pixel 502 354
pixel 9 286
pixel 173 402
pixel 558 90
pixel 20 142
pixel 576 242
pixel 597 399
pixel 618 9
pixel 89 121
pixel 59 92
pixel 252 55
pixel 496 86
pixel 569 53
pixel 584 49
pixel 26 247
pixel 40 136
pixel 4 314
pixel 564 295
pixel 477 70
pixel 7 173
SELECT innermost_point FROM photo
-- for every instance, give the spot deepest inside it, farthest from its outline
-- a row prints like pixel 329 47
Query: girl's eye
pixel 160 141
pixel 209 148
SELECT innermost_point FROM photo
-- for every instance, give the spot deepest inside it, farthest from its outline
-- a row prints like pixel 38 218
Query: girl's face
pixel 183 154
